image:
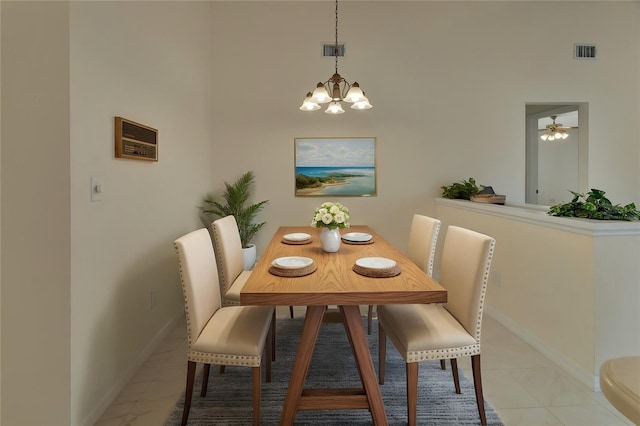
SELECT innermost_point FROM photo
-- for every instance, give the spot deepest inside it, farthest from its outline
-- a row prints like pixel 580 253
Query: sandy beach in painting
pixel 354 181
pixel 320 189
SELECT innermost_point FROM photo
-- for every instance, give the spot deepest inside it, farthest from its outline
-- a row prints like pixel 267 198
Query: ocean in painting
pixel 364 184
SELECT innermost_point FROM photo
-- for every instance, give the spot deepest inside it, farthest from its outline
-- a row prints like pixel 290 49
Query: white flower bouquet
pixel 331 215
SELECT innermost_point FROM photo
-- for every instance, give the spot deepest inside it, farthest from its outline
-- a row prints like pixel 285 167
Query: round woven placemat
pixel 296 243
pixel 287 272
pixel 377 273
pixel 357 242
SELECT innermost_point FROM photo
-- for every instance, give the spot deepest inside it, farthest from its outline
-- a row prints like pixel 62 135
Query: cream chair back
pixel 422 241
pixel 464 272
pixel 229 250
pixel 199 276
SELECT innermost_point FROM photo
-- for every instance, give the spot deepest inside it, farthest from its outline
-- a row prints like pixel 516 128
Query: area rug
pixel 228 401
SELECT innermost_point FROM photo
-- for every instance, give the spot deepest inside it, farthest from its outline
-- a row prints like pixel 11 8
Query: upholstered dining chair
pixel 228 248
pixel 421 248
pixel 230 335
pixel 422 332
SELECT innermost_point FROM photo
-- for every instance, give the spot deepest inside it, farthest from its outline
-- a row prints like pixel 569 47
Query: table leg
pixel 310 330
pixel 355 331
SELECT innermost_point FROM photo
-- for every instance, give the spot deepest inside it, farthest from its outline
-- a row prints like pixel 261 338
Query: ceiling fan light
pixel 544 137
pixel 334 108
pixel 320 95
pixel 565 135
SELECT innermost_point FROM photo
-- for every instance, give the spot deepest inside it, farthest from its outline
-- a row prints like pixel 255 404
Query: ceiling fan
pixel 555 131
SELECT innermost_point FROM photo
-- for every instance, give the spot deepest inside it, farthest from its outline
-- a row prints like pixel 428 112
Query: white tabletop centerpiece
pixel 331 217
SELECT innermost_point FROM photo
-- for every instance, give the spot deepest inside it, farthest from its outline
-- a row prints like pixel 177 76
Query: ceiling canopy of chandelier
pixel 336 90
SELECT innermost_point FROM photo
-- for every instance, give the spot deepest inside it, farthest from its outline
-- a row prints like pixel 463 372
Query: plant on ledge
pixel 235 199
pixel 594 205
pixel 463 191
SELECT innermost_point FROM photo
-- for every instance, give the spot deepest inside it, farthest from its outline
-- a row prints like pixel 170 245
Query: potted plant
pixel 461 190
pixel 594 205
pixel 235 201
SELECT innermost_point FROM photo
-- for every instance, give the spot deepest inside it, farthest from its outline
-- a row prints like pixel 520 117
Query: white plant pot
pixel 249 255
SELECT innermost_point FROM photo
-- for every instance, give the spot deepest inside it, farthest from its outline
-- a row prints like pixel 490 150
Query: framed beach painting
pixel 335 166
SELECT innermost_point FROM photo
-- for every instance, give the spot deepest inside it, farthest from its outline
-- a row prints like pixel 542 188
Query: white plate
pixel 357 237
pixel 298 236
pixel 292 262
pixel 375 263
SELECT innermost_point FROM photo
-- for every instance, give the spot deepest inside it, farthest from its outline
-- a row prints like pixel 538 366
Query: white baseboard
pixel 579 373
pixel 110 396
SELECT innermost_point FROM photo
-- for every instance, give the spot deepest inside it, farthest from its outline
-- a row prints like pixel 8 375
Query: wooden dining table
pixel 334 282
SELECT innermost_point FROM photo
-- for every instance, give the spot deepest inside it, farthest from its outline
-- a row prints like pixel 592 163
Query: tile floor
pixel 523 386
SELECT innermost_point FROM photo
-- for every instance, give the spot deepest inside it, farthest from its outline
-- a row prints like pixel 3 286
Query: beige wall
pixel 222 82
pixel 151 63
pixel 78 275
pixel 36 262
pixel 448 81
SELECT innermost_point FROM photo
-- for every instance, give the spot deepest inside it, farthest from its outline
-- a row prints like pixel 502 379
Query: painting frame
pixel 335 167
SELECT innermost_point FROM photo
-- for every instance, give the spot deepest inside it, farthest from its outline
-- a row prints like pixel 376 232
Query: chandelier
pixel 554 131
pixel 336 90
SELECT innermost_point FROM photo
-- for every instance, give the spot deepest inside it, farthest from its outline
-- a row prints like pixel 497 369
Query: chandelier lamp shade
pixel 335 91
pixel 554 131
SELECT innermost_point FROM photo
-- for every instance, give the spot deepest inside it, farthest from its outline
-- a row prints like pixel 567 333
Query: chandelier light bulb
pixel 354 94
pixel 308 105
pixel 320 95
pixel 362 103
pixel 334 108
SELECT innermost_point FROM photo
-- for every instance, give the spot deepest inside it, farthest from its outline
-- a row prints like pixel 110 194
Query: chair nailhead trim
pixel 442 353
pixel 224 359
pixel 184 294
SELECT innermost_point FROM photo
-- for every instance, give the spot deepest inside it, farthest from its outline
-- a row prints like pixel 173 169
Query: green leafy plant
pixel 234 202
pixel 463 190
pixel 594 205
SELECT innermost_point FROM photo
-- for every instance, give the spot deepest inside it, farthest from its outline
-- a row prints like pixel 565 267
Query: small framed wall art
pixel 135 141
pixel 335 166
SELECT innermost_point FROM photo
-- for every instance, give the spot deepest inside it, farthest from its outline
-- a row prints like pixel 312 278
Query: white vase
pixel 249 257
pixel 330 239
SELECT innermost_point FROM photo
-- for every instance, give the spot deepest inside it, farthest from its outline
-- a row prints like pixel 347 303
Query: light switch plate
pixel 96 188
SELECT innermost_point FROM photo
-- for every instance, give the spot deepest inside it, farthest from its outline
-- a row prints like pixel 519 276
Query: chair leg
pixel 222 369
pixel 369 319
pixel 273 336
pixel 382 353
pixel 443 364
pixel 268 353
pixel 257 388
pixel 188 393
pixel 291 311
pixel 456 378
pixel 412 392
pixel 205 379
pixel 477 381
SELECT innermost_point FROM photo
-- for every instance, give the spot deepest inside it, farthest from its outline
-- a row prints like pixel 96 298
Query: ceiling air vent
pixel 332 49
pixel 584 51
